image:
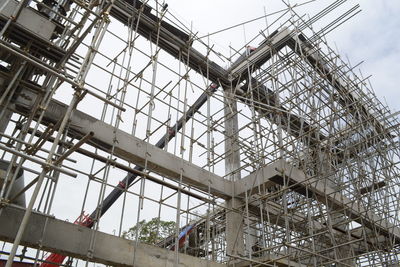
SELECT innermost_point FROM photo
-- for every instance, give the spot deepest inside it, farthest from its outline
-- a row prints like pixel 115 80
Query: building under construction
pixel 112 112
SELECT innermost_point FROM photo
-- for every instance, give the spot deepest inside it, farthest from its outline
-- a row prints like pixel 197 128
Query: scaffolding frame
pixel 285 158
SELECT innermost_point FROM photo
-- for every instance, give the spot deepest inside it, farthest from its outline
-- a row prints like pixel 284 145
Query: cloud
pixel 373 37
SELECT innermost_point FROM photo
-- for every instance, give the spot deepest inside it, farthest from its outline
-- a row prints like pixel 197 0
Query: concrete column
pixel 234 220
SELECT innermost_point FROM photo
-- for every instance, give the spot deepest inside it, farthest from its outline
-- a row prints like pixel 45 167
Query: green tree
pixel 151 232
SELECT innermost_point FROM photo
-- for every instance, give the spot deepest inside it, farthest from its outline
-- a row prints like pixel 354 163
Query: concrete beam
pixel 66 238
pixel 299 222
pixel 318 190
pixel 171 39
pixel 259 178
pixel 271 45
pixel 130 148
pixel 350 94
